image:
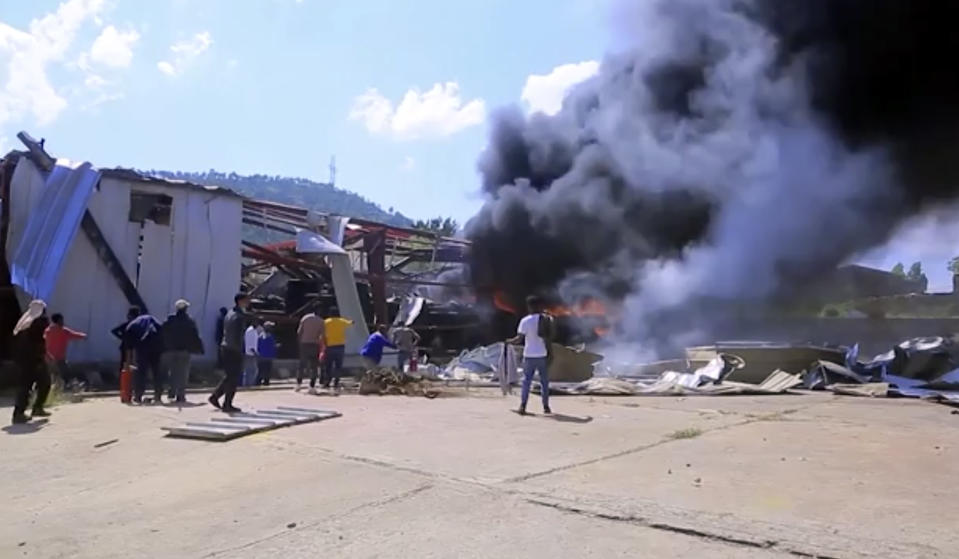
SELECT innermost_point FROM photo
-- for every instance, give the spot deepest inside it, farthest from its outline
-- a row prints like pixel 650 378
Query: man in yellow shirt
pixel 335 342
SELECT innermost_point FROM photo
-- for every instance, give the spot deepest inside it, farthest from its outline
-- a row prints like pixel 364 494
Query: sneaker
pixel 214 402
pixel 40 412
pixel 521 410
pixel 547 411
pixel 312 391
pixel 231 409
pixel 20 419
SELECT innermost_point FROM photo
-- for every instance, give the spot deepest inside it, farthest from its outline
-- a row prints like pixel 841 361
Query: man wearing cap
pixel 181 339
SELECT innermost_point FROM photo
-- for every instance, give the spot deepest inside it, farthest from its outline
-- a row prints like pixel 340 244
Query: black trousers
pixel 32 373
pixel 148 366
pixel 264 372
pixel 233 365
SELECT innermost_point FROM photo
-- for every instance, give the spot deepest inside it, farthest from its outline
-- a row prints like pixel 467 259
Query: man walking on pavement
pixel 406 340
pixel 29 355
pixel 57 338
pixel 234 327
pixel 181 339
pixel 144 342
pixel 309 334
pixel 535 332
pixel 335 339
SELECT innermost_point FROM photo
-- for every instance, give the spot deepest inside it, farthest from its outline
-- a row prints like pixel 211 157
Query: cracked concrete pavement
pixel 787 476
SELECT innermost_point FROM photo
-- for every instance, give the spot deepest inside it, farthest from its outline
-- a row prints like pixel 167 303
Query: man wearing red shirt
pixel 57 338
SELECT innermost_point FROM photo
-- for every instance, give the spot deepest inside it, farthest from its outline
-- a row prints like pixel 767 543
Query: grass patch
pixel 689 433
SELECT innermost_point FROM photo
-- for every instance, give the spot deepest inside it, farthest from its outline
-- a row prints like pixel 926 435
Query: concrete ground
pixel 461 476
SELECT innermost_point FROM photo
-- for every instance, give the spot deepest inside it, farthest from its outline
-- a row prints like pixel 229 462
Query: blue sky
pixel 278 86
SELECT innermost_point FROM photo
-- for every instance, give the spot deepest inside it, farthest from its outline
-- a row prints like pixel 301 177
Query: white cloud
pixel 113 47
pixel 184 52
pixel 94 81
pixel 409 164
pixel 166 68
pixel 435 113
pixel 545 93
pixel 25 55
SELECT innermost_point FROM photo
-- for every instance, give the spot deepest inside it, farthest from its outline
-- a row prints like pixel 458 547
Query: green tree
pixel 899 269
pixel 915 271
pixel 442 226
pixel 954 266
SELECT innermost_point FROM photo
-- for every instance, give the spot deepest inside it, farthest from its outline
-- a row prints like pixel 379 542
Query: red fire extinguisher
pixel 126 384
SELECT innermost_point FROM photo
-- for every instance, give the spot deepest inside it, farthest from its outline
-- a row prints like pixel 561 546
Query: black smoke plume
pixel 736 150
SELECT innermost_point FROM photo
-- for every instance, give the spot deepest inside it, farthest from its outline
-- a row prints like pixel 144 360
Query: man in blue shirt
pixel 144 343
pixel 372 350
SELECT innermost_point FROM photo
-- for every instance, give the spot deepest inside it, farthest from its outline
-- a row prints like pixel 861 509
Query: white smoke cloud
pixel 436 113
pixel 788 189
pixel 545 93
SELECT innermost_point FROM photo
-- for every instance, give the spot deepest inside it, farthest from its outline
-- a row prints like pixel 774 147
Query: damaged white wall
pixel 195 257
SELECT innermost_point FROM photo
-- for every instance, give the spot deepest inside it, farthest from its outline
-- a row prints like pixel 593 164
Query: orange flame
pixel 586 307
pixel 502 303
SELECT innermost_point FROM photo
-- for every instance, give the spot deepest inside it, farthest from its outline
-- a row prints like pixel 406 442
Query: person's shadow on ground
pixel 569 418
pixel 25 428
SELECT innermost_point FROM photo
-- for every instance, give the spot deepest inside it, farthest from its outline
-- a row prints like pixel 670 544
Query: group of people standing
pixel 322 347
pixel 160 350
pixel 247 348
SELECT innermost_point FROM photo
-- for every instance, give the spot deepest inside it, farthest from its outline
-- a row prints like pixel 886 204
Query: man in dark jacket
pixel 234 326
pixel 181 339
pixel 143 340
pixel 30 356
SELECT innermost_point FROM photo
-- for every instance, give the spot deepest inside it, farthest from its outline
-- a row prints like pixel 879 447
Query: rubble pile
pixel 384 381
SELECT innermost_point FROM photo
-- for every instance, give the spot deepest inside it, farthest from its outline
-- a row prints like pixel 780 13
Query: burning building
pixel 735 150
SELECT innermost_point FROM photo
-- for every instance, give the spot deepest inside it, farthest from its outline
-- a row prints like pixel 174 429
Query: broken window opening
pixel 147 206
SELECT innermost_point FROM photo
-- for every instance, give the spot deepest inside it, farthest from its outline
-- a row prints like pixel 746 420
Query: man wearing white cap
pixel 181 339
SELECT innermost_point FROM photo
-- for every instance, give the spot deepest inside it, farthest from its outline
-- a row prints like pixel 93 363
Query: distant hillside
pixel 305 193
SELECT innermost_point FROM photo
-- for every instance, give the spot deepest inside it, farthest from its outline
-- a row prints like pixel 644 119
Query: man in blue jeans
pixel 535 332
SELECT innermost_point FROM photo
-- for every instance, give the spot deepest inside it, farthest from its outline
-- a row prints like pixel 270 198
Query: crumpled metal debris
pixel 706 381
pixel 918 368
pixel 388 381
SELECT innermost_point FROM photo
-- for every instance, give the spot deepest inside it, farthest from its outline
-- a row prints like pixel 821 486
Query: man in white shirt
pixel 251 339
pixel 536 340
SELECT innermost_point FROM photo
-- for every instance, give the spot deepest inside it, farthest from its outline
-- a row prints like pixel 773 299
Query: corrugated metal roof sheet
pixel 51 228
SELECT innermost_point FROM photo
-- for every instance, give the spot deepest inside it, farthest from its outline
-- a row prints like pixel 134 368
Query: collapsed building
pixel 94 241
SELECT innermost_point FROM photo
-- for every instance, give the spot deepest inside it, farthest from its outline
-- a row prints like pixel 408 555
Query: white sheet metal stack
pixel 225 427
